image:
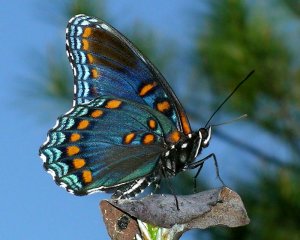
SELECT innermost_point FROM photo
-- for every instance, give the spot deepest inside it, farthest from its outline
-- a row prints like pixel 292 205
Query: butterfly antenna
pixel 230 121
pixel 226 99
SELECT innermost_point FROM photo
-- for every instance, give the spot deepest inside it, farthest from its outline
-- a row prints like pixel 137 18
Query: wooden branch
pixel 202 210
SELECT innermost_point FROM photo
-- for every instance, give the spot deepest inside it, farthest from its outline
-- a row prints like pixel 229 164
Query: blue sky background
pixel 31 205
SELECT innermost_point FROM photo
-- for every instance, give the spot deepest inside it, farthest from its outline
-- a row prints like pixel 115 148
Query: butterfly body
pixel 126 129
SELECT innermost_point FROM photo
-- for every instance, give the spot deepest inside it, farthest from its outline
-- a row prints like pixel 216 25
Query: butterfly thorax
pixel 180 155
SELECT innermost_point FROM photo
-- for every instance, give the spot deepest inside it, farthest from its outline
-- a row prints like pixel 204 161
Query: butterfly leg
pixel 199 165
pixel 195 177
pixel 166 173
pixel 156 186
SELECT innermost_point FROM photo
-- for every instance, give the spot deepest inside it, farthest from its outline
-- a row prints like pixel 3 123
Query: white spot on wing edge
pixel 52 173
pixel 63 185
pixel 43 157
pixel 75 89
pixel 74 72
pixel 56 124
pixel 71 191
pixel 47 141
pixel 76 16
pixel 72 19
pixel 68 112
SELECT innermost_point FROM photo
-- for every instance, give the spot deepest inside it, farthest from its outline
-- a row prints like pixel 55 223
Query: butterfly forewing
pixel 104 62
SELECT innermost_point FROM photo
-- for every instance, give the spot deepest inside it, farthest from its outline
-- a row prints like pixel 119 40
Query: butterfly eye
pixel 206 134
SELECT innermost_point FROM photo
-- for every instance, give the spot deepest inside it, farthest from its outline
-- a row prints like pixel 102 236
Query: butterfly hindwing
pixel 104 62
pixel 106 143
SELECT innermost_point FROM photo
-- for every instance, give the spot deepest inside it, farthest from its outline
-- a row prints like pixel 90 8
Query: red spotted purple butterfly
pixel 126 129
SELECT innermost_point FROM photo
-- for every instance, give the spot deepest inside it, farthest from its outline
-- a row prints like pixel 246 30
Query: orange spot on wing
pixel 78 163
pixel 83 124
pixel 163 106
pixel 128 138
pixel 148 139
pixel 72 150
pixel 87 32
pixel 87 176
pixel 85 44
pixel 174 136
pixel 185 123
pixel 97 113
pixel 90 58
pixel 113 104
pixel 95 73
pixel 152 124
pixel 147 88
pixel 75 137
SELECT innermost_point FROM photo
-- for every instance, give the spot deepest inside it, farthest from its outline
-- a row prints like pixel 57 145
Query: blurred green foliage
pixel 236 39
pixel 294 6
pixel 235 42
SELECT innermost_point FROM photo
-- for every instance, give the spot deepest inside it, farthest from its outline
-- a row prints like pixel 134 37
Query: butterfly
pixel 126 128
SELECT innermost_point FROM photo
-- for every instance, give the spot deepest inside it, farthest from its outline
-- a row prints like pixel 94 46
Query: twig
pixel 202 210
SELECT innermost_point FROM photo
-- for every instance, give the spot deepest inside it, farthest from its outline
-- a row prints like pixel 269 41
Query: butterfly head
pixel 193 145
pixel 204 136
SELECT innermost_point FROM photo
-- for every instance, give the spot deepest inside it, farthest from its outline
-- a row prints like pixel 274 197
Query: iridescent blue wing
pixel 106 144
pixel 124 115
pixel 104 62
